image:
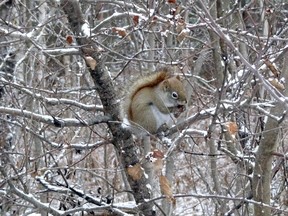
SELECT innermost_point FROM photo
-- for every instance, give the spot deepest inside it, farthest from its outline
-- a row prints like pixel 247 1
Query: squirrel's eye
pixel 174 95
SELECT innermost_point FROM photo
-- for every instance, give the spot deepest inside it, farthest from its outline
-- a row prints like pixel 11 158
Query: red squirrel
pixel 154 100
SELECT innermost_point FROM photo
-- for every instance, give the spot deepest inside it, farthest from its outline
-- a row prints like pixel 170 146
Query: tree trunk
pixel 122 138
pixel 263 164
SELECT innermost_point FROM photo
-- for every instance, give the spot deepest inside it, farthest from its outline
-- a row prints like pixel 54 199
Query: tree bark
pixel 263 165
pixel 261 183
pixel 122 138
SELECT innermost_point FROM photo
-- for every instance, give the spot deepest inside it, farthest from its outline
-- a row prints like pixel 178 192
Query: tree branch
pixel 29 197
pixel 122 138
pixel 55 121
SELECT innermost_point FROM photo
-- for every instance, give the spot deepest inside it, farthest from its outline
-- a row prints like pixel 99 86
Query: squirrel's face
pixel 174 95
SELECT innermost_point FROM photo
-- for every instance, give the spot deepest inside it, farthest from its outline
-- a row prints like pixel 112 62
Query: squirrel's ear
pixel 165 85
pixel 178 77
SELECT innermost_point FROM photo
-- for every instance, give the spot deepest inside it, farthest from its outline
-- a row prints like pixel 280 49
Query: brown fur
pixel 148 81
pixel 152 94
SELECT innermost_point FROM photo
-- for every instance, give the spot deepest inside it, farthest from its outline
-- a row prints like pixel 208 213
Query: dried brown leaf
pixel 232 128
pixel 165 186
pixel 135 172
pixel 120 31
pixel 157 154
pixel 69 39
pixel 171 1
pixel 155 157
pixel 272 68
pixel 136 20
pixel 166 189
pixel 183 34
pixel 278 85
pixel 90 62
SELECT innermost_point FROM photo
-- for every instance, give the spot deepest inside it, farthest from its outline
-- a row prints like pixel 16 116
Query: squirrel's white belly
pixel 162 118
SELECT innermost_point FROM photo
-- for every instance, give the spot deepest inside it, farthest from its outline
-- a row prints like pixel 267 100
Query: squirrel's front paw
pixel 162 129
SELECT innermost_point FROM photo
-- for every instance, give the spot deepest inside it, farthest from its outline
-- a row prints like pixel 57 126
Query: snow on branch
pixel 221 197
pixel 77 146
pixel 62 51
pixel 53 101
pixel 98 201
pixel 117 16
pixel 14 34
pixel 29 197
pixel 218 30
pixel 52 210
pixel 28 37
pixel 55 121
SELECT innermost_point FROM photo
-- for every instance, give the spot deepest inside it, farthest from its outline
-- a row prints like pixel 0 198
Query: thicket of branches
pixel 64 69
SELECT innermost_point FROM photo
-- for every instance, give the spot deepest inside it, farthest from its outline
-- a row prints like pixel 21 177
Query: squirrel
pixel 154 101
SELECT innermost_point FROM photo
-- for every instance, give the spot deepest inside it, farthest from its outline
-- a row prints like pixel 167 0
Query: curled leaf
pixel 135 171
pixel 272 68
pixel 136 20
pixel 69 39
pixel 166 189
pixel 90 62
pixel 120 31
pixel 155 157
pixel 157 154
pixel 171 1
pixel 183 34
pixel 277 84
pixel 232 128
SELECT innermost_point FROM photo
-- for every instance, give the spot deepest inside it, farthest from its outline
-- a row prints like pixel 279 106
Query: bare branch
pixel 55 121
